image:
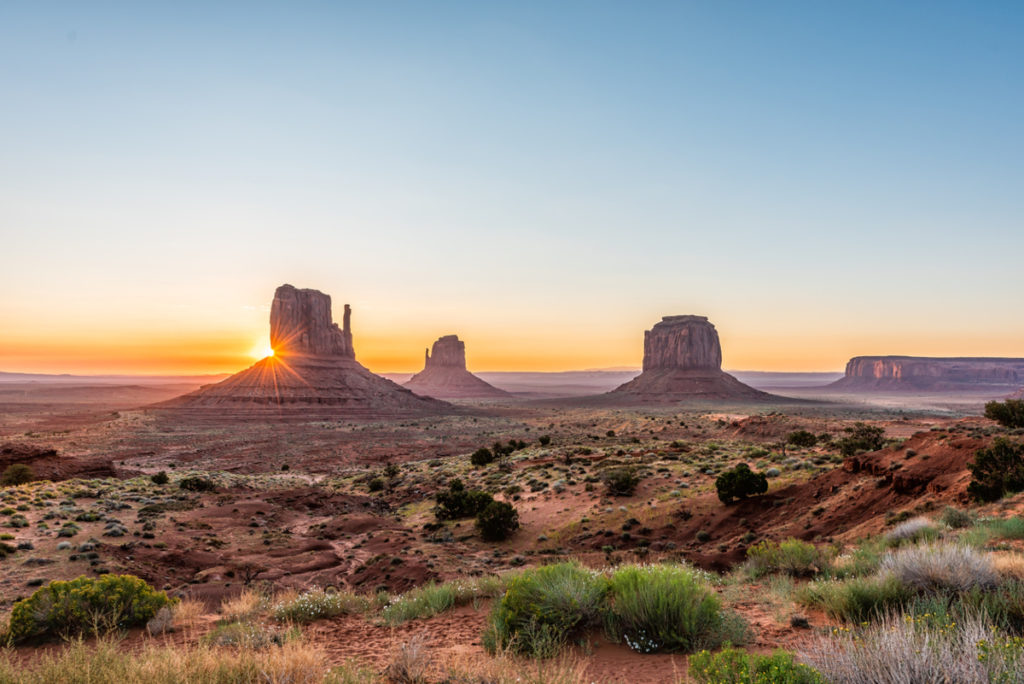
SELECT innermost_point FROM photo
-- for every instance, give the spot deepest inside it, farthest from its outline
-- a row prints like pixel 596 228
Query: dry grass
pixel 107 662
pixel 506 668
pixel 411 662
pixel 187 614
pixel 1010 566
pixel 245 606
pixel 901 650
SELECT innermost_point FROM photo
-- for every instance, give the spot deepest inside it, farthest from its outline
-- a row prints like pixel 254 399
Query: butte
pixel 313 369
pixel 444 374
pixel 683 362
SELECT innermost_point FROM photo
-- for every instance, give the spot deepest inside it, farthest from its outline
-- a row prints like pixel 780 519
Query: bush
pixel 544 440
pixel 861 437
pixel 85 605
pixel 802 438
pixel 481 457
pixel 621 481
pixel 739 483
pixel 856 600
pixel 733 666
pixel 1009 413
pixel 159 478
pixel 17 474
pixel 790 557
pixel 317 604
pixel 997 471
pixel 198 484
pixel 430 599
pixel 956 519
pixel 941 569
pixel 376 484
pixel 913 530
pixel 497 521
pixel 667 608
pixel 459 502
pixel 545 607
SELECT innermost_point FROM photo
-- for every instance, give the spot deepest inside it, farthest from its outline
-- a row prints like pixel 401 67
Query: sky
pixel 546 180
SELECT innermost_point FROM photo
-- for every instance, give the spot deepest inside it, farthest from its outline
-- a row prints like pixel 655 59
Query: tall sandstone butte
pixel 444 374
pixel 683 361
pixel 314 367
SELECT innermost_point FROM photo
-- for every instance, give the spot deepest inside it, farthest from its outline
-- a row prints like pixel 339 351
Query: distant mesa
pixel 919 373
pixel 313 367
pixel 444 374
pixel 682 362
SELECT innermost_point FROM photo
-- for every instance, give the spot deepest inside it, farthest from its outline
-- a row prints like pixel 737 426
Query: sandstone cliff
pixel 912 373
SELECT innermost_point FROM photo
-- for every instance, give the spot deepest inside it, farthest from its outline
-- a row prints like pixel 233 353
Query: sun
pixel 262 351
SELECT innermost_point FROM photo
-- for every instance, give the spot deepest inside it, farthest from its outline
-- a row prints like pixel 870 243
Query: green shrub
pixel 430 599
pixel 85 605
pixel 802 438
pixel 1009 413
pixel 17 474
pixel 459 502
pixel 544 440
pixel 545 607
pixel 481 457
pixel 733 666
pixel 159 478
pixel 790 557
pixel 956 519
pixel 375 484
pixel 861 437
pixel 667 608
pixel 197 484
pixel 856 600
pixel 739 483
pixel 497 521
pixel 997 471
pixel 621 481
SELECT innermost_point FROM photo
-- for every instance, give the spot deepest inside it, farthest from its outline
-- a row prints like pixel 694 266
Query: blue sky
pixel 545 179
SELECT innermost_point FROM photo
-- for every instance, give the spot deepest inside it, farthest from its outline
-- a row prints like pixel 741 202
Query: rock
pixel 444 374
pixel 683 361
pixel 449 352
pixel 301 323
pixel 910 373
pixel 684 343
pixel 313 369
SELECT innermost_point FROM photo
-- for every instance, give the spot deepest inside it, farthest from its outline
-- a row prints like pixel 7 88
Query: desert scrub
pixel 544 608
pixel 431 599
pixel 667 608
pixel 908 648
pixel 733 666
pixel 85 606
pixel 790 557
pixel 955 519
pixel 855 600
pixel 940 569
pixel 317 604
pixel 912 531
pixel 250 635
pixel 458 502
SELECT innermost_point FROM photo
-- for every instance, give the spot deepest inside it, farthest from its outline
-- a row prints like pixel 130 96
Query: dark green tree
pixel 739 483
pixel 1009 413
pixel 497 521
pixel 997 471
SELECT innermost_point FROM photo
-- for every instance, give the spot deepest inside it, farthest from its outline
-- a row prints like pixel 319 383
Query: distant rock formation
pixel 444 374
pixel 683 361
pixel 919 373
pixel 313 367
